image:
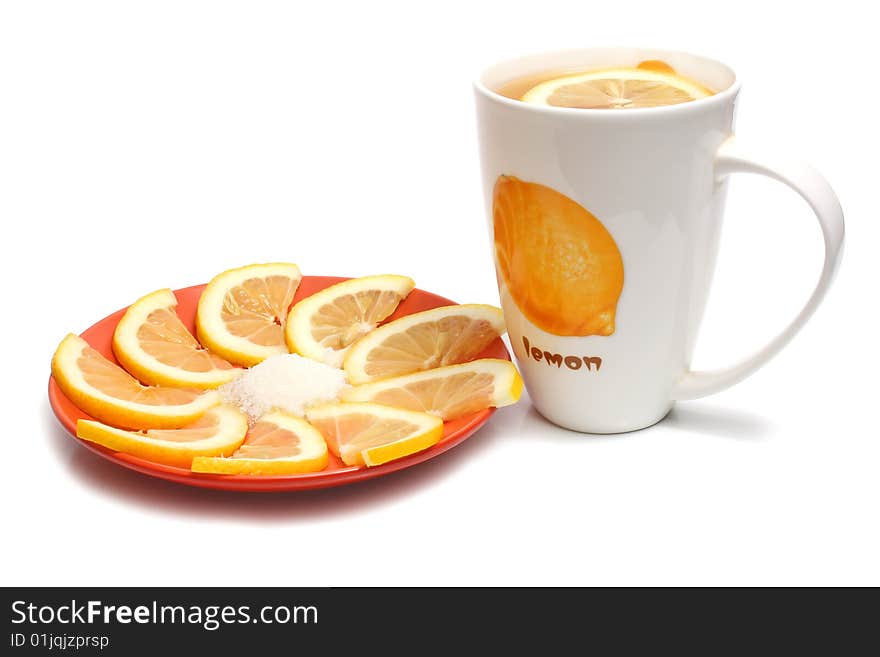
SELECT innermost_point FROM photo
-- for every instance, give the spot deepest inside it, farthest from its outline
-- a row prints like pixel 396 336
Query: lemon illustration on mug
pixel 560 264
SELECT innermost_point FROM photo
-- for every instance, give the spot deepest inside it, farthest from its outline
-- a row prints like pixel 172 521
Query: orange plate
pixel 100 337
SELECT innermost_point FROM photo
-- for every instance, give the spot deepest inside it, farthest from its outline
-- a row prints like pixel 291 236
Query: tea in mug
pixel 652 83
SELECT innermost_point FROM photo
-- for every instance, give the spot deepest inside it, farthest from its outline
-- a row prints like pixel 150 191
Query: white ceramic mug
pixel 655 179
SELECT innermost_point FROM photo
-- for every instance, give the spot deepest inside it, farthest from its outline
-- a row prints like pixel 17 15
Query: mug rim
pixel 719 98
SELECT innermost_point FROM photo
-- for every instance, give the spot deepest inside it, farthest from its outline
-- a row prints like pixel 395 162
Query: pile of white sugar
pixel 286 382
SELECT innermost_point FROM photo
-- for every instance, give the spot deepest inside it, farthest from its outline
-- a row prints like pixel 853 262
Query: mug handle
pixel 806 181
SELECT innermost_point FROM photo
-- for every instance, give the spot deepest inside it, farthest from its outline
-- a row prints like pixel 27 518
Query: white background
pixel 145 145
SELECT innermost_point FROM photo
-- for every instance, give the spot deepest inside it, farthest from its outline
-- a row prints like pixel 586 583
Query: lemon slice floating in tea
pixel 651 84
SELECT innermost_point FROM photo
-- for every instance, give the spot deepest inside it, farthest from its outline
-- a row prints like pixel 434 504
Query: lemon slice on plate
pixel 152 343
pixel 324 325
pixel 278 444
pixel 447 335
pixel 107 392
pixel 447 392
pixel 219 431
pixel 242 312
pixel 372 434
pixel 617 88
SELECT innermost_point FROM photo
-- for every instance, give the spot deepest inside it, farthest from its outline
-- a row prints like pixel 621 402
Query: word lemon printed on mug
pixel 571 362
pixel 561 265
